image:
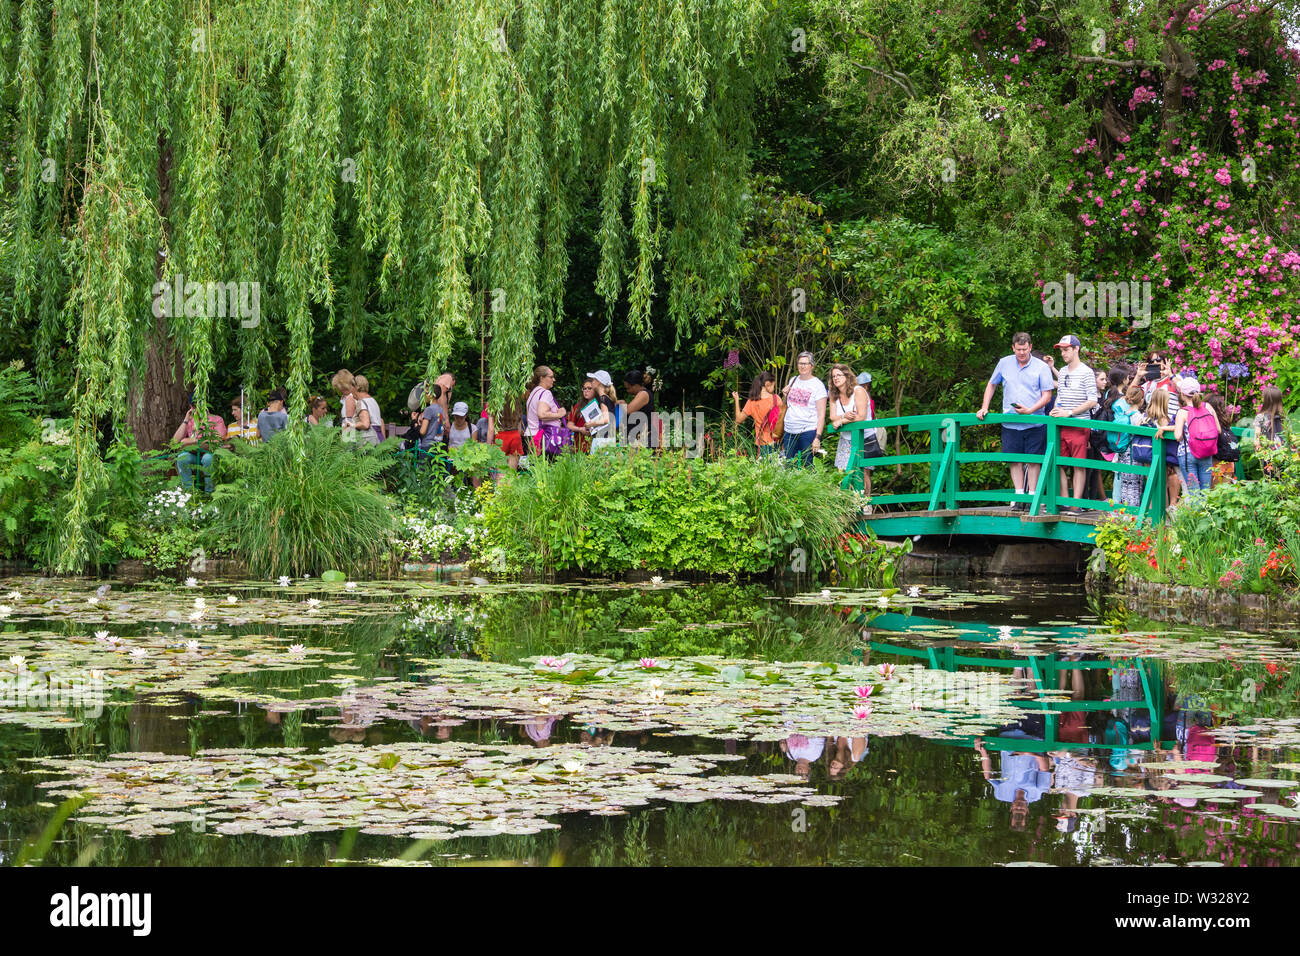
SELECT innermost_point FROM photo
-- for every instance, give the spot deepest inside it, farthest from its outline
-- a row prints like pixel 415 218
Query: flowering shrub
pixel 422 539
pixel 1237 316
pixel 1240 537
pixel 173 506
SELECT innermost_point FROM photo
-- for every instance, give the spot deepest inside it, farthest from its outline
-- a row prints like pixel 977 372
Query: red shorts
pixel 1074 442
pixel 511 443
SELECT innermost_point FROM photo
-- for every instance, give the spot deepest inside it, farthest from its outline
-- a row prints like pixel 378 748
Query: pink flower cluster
pixel 1238 310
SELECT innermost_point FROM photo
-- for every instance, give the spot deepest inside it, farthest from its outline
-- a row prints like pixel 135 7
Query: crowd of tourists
pixel 1199 447
pixel 795 418
pixel 535 422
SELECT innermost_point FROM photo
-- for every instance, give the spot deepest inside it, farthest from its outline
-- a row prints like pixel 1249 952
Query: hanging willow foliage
pixel 428 157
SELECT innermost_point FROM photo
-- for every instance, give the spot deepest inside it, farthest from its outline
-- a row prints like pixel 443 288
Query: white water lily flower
pixel 656 684
pixel 101 636
pixel 882 601
pixel 656 580
pixel 914 591
pixel 197 615
pixel 191 582
pixel 656 694
pixel 284 580
pixel 92 600
pixel 297 650
pixel 231 599
pixel 191 645
pixel 14 596
pixel 1004 631
pixel 351 585
pixel 5 610
pixel 112 641
pixel 826 592
pixel 313 604
pixel 200 602
pixel 139 653
pixel 18 660
pixel 572 766
pixel 546 701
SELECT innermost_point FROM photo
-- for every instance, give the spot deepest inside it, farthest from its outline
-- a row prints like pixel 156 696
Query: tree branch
pixel 1125 64
pixel 899 79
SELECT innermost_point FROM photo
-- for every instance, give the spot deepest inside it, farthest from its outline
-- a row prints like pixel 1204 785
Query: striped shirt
pixel 1075 387
pixel 1168 385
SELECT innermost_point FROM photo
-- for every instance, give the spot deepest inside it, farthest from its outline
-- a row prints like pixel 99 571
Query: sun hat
pixel 864 378
pixel 1070 340
pixel 1188 385
pixel 601 376
pixel 460 408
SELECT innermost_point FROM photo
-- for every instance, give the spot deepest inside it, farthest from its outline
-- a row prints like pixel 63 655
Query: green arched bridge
pixel 947 508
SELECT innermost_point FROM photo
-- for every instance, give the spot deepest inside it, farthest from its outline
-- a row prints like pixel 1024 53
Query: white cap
pixel 460 408
pixel 601 376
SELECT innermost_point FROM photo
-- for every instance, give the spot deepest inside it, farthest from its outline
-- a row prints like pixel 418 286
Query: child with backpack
pixel 1196 429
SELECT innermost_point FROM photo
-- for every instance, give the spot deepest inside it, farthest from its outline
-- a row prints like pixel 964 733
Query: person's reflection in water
pixel 1074 775
pixel 593 736
pixel 844 753
pixel 803 752
pixel 539 730
pixel 422 726
pixel 1025 778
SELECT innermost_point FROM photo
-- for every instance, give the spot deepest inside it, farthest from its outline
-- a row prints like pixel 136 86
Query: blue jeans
pixel 187 461
pixel 799 445
pixel 1195 471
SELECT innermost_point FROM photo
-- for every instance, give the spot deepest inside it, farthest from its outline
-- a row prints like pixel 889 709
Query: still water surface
pixel 1021 726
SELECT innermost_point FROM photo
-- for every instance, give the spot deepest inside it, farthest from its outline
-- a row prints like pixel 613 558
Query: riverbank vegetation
pixel 1241 536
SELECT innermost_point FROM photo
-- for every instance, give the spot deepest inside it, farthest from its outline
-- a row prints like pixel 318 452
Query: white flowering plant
pixel 170 507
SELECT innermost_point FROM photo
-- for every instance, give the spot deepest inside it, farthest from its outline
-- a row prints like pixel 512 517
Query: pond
pixel 419 722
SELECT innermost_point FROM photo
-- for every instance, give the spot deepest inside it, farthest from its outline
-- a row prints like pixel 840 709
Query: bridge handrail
pixel 944 458
pixel 919 423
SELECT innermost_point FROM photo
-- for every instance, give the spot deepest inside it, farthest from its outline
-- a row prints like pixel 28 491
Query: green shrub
pixel 37 468
pixel 286 513
pixel 618 510
pixel 476 459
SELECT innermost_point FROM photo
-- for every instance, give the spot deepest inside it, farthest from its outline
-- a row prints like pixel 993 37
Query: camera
pixel 1153 372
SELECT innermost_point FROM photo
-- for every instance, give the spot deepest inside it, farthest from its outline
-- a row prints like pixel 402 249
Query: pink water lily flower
pixel 649 662
pixel 865 691
pixel 886 671
pixel 554 663
pixel 862 713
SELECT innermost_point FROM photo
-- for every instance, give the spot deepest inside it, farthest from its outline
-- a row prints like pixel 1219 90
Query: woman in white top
pixel 849 403
pixel 540 405
pixel 370 424
pixel 345 385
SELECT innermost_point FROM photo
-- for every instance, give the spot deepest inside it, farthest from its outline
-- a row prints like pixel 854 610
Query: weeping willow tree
pixel 366 164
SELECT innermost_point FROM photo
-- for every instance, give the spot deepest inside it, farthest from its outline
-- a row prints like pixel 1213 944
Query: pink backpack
pixel 1202 432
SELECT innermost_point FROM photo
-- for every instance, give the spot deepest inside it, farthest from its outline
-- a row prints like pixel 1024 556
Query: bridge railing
pixel 946 456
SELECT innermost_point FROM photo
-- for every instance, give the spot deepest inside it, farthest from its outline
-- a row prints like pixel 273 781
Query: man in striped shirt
pixel 1076 396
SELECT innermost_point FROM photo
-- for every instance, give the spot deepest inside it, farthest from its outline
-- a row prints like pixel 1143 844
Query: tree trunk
pixel 161 399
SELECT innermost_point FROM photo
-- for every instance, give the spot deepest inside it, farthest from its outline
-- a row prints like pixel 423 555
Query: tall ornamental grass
pixel 627 509
pixel 303 515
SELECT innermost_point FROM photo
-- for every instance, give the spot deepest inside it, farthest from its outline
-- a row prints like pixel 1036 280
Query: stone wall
pixel 1179 603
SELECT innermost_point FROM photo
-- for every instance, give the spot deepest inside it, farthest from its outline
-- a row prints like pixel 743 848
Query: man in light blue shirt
pixel 1026 388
